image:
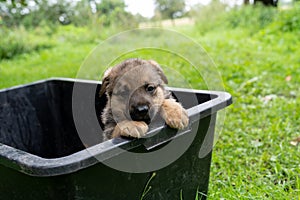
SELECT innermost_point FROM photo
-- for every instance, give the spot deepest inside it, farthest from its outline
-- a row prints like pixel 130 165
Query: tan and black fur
pixel 136 93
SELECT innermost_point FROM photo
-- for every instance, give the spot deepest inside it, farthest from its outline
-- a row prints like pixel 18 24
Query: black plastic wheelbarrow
pixel 43 156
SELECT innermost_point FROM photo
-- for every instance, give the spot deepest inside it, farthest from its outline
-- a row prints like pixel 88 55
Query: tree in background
pixel 31 13
pixel 112 11
pixel 170 9
pixel 267 2
pixel 264 2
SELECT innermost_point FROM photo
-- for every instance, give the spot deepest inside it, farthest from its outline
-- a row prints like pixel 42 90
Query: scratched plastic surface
pixel 38 119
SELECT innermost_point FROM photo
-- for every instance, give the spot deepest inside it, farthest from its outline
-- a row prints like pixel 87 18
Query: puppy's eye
pixel 150 88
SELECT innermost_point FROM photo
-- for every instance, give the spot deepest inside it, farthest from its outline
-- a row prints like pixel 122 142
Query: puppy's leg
pixel 135 129
pixel 174 114
pixel 108 130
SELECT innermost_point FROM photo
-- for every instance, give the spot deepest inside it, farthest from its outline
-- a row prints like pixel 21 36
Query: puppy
pixel 136 94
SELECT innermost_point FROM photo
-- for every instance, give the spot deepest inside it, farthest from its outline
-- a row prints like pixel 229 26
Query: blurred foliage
pixel 18 41
pixel 253 18
pixel 204 19
pixel 289 20
pixel 112 12
pixel 29 25
pixel 170 9
pixel 32 13
pixel 267 2
pixel 29 13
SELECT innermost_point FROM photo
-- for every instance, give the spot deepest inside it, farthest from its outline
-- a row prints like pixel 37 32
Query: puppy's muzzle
pixel 142 110
pixel 141 113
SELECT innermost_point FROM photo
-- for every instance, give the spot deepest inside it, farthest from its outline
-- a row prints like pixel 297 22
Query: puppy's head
pixel 135 89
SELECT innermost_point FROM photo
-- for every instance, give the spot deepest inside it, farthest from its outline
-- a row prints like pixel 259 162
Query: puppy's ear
pixel 105 81
pixel 159 70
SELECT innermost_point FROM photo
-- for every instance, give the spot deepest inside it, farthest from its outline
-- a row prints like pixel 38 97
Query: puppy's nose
pixel 143 109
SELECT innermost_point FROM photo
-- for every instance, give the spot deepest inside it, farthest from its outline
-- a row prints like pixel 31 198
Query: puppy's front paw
pixel 174 114
pixel 135 129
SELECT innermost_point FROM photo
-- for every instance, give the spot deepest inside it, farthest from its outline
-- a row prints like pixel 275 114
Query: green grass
pixel 253 158
pixel 61 61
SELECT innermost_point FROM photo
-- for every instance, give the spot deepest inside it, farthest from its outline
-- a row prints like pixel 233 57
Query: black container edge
pixel 37 166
